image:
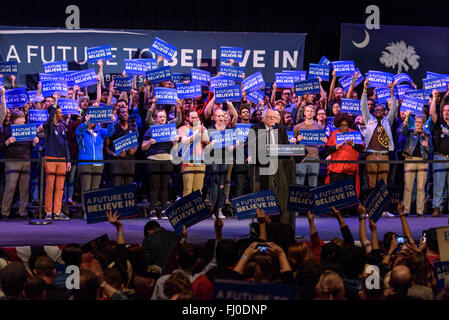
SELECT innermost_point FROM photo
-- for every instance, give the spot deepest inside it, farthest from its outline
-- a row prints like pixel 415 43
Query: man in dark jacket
pixel 158 244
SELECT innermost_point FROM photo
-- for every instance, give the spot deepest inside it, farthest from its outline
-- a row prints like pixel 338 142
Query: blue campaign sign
pixel 300 75
pixel 101 114
pixel 325 61
pixel 163 49
pixel 299 199
pixel 188 91
pixel 31 94
pixel 383 94
pixel 121 199
pixel 285 80
pixel 123 83
pixel 441 271
pixel 58 76
pixel 234 72
pixel 343 68
pixel 312 137
pixel 242 131
pixel 84 78
pixel 9 68
pixel 437 75
pixel 1 81
pixel 50 87
pixel 403 88
pixel 254 96
pixel 24 132
pixel 351 106
pixel 125 143
pixel 151 63
pixel 242 290
pixel 56 66
pixel 246 206
pixel 396 194
pixel 219 82
pixel 228 53
pixel 181 77
pixel 253 82
pixel 222 139
pixel 354 136
pixel 347 80
pixel 69 106
pixel 99 53
pixel 379 79
pixel 37 116
pixel 402 77
pixel 415 105
pixel 418 93
pixel 200 76
pixel 187 211
pixel 68 77
pixel 16 98
pixel 136 67
pixel 319 70
pixel 341 194
pixel 378 201
pixel 159 74
pixel 166 95
pixel 438 84
pixel 231 93
pixel 308 86
pixel 163 132
pixel 290 135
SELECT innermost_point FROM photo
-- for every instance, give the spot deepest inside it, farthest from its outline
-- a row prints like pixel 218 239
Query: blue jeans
pixel 440 180
pixel 217 180
pixel 311 170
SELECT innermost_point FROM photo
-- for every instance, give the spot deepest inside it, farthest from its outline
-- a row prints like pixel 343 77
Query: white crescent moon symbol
pixel 364 43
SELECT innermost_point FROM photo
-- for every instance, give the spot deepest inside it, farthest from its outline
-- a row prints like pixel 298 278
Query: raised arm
pixel 261 218
pixel 405 227
pixel 362 225
pixel 351 87
pixel 209 108
pixel 394 105
pixel 433 107
pixel 273 94
pixel 111 89
pixel 114 220
pixel 345 232
pixel 150 119
pixel 374 239
pixel 13 81
pixel 332 87
pixel 364 102
pixel 3 107
pixel 233 113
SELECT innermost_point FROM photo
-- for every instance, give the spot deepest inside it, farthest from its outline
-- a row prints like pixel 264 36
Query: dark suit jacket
pixel 282 138
pixel 159 246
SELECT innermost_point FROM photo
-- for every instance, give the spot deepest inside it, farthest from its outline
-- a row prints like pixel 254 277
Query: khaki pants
pixel 54 184
pixel 16 172
pixel 192 178
pixel 377 171
pixel 412 170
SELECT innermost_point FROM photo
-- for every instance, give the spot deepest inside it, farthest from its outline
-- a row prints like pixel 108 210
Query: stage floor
pixel 20 233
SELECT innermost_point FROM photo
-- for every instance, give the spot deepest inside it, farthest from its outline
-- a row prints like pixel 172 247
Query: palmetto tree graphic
pixel 397 54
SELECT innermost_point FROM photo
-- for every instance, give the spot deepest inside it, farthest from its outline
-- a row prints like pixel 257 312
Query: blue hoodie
pixel 91 145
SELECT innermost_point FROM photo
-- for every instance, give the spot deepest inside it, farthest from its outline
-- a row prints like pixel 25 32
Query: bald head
pixel 401 279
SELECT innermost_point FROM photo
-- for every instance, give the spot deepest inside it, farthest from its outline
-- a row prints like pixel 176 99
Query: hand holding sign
pixel 10 140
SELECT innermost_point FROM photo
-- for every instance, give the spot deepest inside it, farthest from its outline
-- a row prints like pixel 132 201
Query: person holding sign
pixel 122 173
pixel 90 138
pixel 379 137
pixel 441 143
pixel 193 138
pixel 161 167
pixel 417 148
pixel 346 150
pixel 311 170
pixel 16 172
pixel 56 148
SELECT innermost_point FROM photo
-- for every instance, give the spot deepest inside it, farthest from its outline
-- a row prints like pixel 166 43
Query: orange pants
pixel 54 179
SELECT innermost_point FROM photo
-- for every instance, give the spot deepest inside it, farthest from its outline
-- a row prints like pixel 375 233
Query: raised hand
pixel 113 218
